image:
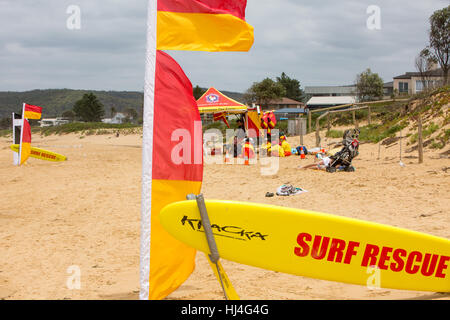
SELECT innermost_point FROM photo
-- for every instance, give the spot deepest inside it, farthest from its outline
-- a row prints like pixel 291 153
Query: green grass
pixel 335 134
pixel 5 133
pixel 443 139
pixel 378 132
pixel 429 130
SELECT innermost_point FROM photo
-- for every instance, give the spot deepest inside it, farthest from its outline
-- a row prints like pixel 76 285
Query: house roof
pixel 431 73
pixel 348 90
pixel 285 101
pixel 290 111
pixel 330 101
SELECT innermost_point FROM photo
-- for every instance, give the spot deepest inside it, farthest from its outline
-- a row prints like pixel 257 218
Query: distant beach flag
pixel 203 25
pixel 25 142
pixel 32 112
pixel 253 123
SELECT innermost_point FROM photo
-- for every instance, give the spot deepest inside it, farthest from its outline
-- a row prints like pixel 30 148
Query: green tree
pixel 5 123
pixel 292 86
pixel 198 92
pixel 264 91
pixel 69 115
pixel 131 115
pixel 89 108
pixel 439 37
pixel 113 112
pixel 369 86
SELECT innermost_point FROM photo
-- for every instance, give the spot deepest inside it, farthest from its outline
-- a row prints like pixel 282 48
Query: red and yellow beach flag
pixel 253 123
pixel 175 157
pixel 203 25
pixel 25 142
pixel 32 112
pixel 172 153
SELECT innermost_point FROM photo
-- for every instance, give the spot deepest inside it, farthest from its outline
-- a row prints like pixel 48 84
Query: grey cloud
pixel 318 42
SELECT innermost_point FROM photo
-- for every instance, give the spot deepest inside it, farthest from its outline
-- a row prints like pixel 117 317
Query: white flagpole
pixel 15 154
pixel 147 150
pixel 21 134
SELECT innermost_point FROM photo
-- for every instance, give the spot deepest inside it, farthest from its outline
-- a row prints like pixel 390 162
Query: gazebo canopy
pixel 213 101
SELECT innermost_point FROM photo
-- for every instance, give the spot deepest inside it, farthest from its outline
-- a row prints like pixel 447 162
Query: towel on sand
pixel 289 190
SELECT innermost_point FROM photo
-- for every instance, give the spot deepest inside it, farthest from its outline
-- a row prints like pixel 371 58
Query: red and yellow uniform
pixel 286 146
pixel 248 150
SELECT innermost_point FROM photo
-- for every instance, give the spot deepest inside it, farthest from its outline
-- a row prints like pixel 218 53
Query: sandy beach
pixel 86 213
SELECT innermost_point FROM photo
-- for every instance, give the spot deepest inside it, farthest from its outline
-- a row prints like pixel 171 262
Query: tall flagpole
pixel 147 150
pixel 15 154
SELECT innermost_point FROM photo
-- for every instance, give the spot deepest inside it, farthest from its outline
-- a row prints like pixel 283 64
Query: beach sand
pixel 86 213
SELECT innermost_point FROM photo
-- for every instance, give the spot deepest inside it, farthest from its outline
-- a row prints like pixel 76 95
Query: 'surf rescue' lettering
pixel 399 260
pixel 335 250
pixel 385 258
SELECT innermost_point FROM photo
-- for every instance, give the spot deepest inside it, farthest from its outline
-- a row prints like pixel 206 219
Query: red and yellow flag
pixel 172 139
pixel 177 170
pixel 32 112
pixel 25 144
pixel 203 25
pixel 221 116
pixel 253 123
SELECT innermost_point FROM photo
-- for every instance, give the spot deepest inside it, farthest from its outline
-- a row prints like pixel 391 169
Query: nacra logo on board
pixel 226 231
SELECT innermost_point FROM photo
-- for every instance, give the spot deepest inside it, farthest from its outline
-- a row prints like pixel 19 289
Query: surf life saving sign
pixel 316 245
pixel 42 154
pixel 170 111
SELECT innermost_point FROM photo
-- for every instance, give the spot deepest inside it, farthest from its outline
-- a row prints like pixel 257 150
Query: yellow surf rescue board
pixel 42 154
pixel 316 245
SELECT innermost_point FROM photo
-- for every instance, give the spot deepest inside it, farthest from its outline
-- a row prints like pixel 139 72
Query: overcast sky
pixel 323 42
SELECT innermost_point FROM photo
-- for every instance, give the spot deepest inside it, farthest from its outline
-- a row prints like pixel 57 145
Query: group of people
pixel 279 147
pixel 244 147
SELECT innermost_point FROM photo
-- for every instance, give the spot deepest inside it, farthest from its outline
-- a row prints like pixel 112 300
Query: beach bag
pixel 304 150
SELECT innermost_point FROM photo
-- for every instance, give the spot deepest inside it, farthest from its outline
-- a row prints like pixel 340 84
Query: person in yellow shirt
pixel 285 146
pixel 276 150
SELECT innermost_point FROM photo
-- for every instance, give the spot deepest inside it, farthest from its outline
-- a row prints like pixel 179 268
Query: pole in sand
pixel 214 256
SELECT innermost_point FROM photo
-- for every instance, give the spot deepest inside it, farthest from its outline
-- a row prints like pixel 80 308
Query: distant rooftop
pixel 432 73
pixel 290 111
pixel 330 101
pixel 285 101
pixel 347 90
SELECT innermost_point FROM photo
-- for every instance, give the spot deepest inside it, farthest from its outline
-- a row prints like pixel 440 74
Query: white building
pixel 52 122
pixel 325 102
pixel 118 118
pixel 415 82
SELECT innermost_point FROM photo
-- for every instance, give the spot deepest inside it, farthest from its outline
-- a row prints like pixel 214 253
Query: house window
pixel 419 85
pixel 403 87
